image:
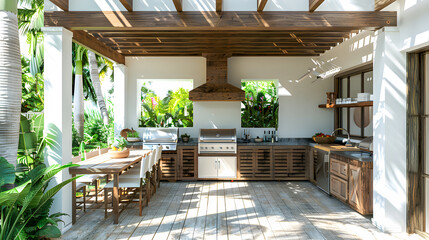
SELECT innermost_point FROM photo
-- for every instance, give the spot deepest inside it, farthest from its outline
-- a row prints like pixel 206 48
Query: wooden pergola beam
pixel 261 5
pixel 128 4
pixel 97 46
pixel 380 4
pixel 178 5
pixel 314 4
pixel 285 21
pixel 218 6
pixel 63 4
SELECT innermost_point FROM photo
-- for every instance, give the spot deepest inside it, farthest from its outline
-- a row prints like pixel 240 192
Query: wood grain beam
pixel 314 4
pixel 380 4
pixel 178 5
pixel 261 5
pixel 288 21
pixel 128 4
pixel 97 46
pixel 219 6
pixel 63 4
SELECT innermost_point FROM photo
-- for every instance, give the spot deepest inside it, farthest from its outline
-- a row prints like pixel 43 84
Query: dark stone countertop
pixel 281 142
pixel 356 155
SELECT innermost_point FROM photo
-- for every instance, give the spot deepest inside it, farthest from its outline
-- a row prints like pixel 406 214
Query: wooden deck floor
pixel 232 210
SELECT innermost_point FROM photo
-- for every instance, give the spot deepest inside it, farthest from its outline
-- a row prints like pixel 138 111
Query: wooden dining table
pixel 103 164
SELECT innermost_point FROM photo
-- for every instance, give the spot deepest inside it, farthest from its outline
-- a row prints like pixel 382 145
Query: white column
pixel 389 173
pixel 58 111
pixel 119 97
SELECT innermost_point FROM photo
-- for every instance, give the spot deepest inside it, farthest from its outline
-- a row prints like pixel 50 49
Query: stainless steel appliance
pixel 217 149
pixel 217 141
pixel 322 171
pixel 166 137
pixel 367 144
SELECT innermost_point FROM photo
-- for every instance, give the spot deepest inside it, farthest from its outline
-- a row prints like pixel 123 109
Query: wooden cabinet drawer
pixel 339 168
pixel 339 188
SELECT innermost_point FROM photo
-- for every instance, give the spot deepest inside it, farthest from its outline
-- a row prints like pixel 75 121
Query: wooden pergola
pixel 142 33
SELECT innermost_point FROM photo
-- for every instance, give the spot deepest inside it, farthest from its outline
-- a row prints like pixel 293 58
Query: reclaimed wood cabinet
pixel 168 164
pixel 187 166
pixel 254 163
pixel 273 163
pixel 351 182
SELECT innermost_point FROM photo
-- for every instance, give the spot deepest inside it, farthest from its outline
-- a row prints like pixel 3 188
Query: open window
pixel 165 103
pixel 261 107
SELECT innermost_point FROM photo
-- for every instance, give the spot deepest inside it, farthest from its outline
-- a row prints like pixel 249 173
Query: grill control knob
pixel 212 147
pixel 220 147
pixel 227 147
pixel 167 147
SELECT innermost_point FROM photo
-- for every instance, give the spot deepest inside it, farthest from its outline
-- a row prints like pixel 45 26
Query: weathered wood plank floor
pixel 232 210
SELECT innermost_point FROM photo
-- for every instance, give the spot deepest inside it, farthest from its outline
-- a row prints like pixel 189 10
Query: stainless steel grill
pixel 217 141
pixel 166 137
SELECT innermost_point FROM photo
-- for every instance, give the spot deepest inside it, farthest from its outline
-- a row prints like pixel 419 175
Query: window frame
pixel 338 89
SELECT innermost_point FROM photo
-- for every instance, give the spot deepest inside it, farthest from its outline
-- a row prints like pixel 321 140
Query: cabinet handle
pixel 215 163
pixel 218 162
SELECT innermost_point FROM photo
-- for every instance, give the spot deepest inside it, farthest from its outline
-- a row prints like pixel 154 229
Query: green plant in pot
pixel 119 148
pixel 133 136
pixel 185 138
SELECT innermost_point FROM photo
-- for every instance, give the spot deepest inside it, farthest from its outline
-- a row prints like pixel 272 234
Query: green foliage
pixel 174 110
pixel 32 89
pixel 261 107
pixel 79 54
pixel 120 143
pixel 96 134
pixel 133 134
pixel 30 23
pixel 31 142
pixel 25 208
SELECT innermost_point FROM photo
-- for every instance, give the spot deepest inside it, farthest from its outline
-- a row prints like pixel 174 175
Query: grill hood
pixel 217 87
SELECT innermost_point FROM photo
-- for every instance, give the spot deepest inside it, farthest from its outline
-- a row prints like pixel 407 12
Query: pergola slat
pixel 99 47
pixel 178 5
pixel 63 4
pixel 314 4
pixel 219 6
pixel 380 4
pixel 128 4
pixel 261 5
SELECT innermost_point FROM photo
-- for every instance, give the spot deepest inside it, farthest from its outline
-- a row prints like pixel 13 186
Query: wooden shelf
pixel 349 105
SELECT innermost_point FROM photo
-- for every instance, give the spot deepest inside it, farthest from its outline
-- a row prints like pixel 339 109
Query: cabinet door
pixel 280 160
pixel 355 198
pixel 227 167
pixel 245 163
pixel 263 163
pixel 188 158
pixel 297 163
pixel 207 167
pixel 168 166
pixel 339 188
pixel 339 168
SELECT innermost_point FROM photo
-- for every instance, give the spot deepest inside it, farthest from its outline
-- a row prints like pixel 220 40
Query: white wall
pixel 299 115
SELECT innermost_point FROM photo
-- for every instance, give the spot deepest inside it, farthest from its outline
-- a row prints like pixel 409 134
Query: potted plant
pixel 133 136
pixel 185 138
pixel 119 148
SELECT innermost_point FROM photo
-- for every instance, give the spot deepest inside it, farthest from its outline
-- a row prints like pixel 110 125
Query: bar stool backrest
pixel 77 159
pixel 152 160
pixel 144 166
pixel 158 154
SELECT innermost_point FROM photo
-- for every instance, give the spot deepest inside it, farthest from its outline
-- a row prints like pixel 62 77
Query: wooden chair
pixel 80 186
pixel 90 179
pixel 132 180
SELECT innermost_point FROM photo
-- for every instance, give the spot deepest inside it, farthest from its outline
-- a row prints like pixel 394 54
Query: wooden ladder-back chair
pixel 133 180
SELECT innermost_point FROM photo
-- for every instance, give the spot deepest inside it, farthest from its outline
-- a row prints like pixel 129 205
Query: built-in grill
pixel 214 141
pixel 166 137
